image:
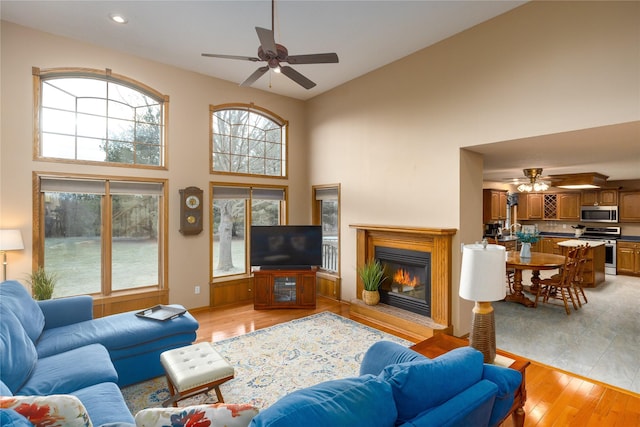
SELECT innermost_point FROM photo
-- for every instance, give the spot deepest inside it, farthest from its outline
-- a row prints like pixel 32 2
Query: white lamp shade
pixel 484 273
pixel 11 240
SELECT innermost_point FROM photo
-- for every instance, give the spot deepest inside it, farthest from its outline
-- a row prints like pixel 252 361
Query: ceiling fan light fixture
pixel 533 185
pixel 579 181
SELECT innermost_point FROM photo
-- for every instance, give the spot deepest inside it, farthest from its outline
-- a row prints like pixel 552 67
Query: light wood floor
pixel 554 398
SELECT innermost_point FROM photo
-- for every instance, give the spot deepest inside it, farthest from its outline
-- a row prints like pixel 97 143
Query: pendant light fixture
pixel 534 184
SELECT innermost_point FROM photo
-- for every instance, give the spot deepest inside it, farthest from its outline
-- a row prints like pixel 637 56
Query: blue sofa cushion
pixel 471 408
pixel 26 309
pixel 10 418
pixel 104 404
pixel 124 331
pixel 4 390
pixel 69 371
pixel 18 355
pixel 420 385
pixel 348 402
pixel 65 311
pixel 384 353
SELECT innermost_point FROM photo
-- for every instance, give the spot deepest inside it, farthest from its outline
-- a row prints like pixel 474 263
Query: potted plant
pixel 42 284
pixel 372 276
pixel 527 239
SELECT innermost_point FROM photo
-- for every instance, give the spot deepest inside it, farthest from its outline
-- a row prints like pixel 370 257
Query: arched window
pixel 96 116
pixel 247 140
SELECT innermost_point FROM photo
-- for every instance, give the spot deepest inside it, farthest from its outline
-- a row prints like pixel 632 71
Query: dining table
pixel 536 262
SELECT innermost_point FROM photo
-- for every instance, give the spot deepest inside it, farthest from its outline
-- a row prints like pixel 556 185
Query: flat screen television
pixel 286 246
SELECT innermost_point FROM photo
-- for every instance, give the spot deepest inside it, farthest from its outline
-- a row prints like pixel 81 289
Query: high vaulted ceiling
pixel 366 35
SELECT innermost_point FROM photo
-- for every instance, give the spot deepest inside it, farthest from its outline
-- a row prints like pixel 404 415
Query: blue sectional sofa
pixel 400 387
pixel 55 347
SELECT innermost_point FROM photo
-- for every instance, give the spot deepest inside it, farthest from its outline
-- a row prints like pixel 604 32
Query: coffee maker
pixel 492 229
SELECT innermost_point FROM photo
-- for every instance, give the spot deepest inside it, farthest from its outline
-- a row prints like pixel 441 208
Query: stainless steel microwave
pixel 599 214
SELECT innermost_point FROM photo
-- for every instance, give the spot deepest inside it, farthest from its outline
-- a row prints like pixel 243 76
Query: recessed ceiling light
pixel 118 18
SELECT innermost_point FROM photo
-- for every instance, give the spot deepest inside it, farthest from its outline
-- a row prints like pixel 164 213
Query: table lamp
pixel 10 240
pixel 483 279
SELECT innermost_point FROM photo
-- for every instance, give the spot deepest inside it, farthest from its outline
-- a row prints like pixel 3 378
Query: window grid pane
pixel 73 245
pixel 74 107
pixel 330 244
pixel 253 141
pixel 229 232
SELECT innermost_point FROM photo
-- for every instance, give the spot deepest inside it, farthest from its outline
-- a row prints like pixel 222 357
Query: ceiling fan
pixel 534 181
pixel 273 54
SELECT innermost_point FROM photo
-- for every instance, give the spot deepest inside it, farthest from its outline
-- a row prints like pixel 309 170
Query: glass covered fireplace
pixel 408 283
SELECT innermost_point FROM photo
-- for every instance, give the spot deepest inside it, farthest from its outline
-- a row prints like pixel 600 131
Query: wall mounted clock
pixel 191 210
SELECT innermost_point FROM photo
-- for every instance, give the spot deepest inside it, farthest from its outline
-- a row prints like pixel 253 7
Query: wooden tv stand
pixel 284 289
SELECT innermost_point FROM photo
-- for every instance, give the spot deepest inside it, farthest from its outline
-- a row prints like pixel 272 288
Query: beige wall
pixel 190 96
pixel 392 137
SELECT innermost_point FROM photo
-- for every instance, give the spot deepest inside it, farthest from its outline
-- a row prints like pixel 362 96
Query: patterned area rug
pixel 274 361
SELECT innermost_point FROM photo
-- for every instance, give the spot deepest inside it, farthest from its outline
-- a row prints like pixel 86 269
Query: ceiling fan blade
pixel 255 76
pixel 317 58
pixel 242 58
pixel 267 41
pixel 297 77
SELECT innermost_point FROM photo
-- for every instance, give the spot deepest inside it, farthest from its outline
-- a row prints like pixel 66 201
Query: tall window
pixel 96 116
pixel 234 208
pixel 101 235
pixel 247 140
pixel 326 212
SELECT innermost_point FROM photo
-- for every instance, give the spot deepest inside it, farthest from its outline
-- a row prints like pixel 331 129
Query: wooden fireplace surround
pixel 437 241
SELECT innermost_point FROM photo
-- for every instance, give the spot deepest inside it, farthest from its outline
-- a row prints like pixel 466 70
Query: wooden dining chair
pixel 578 279
pixel 560 286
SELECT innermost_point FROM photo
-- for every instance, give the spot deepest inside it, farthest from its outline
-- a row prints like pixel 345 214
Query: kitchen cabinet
pixel 549 245
pixel 534 206
pixel 629 206
pixel 284 289
pixel 552 206
pixel 568 206
pixel 523 206
pixel 604 197
pixel 529 206
pixel 494 205
pixel 628 258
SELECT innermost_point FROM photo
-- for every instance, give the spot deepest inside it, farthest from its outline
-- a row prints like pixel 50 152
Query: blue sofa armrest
pixel 507 380
pixel 384 353
pixel 66 311
pixel 470 408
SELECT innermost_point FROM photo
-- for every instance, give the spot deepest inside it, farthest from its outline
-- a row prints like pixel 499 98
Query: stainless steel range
pixel 608 236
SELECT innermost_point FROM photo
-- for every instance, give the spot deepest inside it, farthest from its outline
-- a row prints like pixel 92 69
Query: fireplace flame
pixel 403 277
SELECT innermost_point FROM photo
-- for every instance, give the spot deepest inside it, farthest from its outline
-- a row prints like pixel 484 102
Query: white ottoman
pixel 194 369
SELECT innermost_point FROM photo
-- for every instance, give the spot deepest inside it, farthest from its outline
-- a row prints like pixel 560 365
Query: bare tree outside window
pixel 247 141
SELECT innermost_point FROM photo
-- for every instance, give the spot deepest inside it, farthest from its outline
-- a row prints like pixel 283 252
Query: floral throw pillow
pixel 213 415
pixel 50 411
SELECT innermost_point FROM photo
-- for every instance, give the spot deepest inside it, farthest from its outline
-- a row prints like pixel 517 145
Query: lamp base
pixel 483 331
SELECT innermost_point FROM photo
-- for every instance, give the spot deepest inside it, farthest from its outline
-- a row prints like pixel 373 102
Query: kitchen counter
pixel 575 243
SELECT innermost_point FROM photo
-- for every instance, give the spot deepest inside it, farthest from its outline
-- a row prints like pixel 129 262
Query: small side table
pixel 441 343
